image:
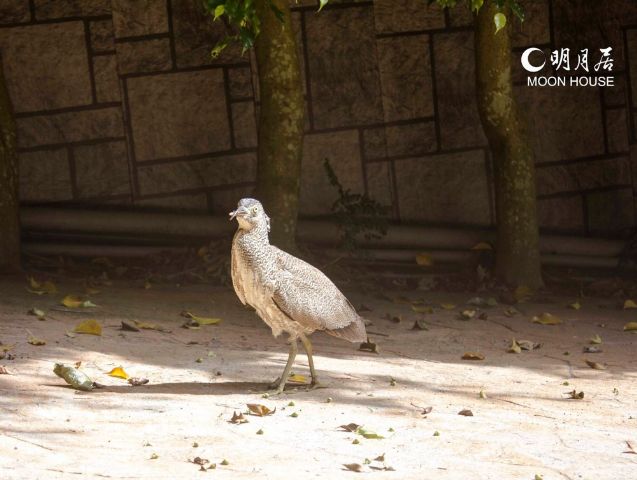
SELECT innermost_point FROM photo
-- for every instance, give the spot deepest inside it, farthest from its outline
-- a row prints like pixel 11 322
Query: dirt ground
pixel 525 428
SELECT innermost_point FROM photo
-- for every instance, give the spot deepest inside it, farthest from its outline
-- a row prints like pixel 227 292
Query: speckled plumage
pixel 289 295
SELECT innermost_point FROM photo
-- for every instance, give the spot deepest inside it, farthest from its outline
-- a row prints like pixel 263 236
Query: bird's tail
pixel 354 332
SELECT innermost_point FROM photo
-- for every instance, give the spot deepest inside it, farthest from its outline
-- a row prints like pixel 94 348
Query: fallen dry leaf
pixel 420 325
pixel 575 395
pixel 596 340
pixel 424 260
pixel 295 378
pixel 467 314
pixel 260 410
pixel 238 418
pixel 514 348
pixel 44 288
pixel 37 313
pixel 350 427
pixel 522 294
pixel 201 320
pixel 595 365
pixel 422 309
pixel 482 246
pixel 74 377
pixel 592 349
pixel 368 347
pixel 465 412
pixel 353 467
pixel 129 327
pixel 575 306
pixel 547 319
pixel 36 341
pixel 150 326
pixel 472 356
pixel 447 306
pixel 629 304
pixel 119 373
pixel 630 327
pixel 510 311
pixel 89 327
pixel 73 301
pixel 137 381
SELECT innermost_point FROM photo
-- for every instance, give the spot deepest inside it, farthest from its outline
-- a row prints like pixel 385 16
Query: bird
pixel 287 293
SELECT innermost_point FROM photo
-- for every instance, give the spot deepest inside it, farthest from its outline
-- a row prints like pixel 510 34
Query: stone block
pixel 225 200
pixel 102 36
pixel 240 83
pixel 144 56
pixel 451 188
pixel 456 89
pixel 60 76
pixel 611 213
pixel 343 152
pixel 60 128
pixel 379 182
pixel 14 11
pixel 139 17
pixel 47 9
pixel 45 176
pixel 552 115
pixel 407 16
pixel 101 170
pixel 196 35
pixel 585 175
pixel 188 175
pixel 106 78
pixel 413 139
pixel 169 118
pixel 244 125
pixel 617 94
pixel 617 130
pixel 196 202
pixel 342 60
pixel 561 213
pixel 405 75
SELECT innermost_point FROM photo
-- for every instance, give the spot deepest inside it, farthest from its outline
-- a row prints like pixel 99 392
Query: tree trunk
pixel 517 244
pixel 281 122
pixel 9 207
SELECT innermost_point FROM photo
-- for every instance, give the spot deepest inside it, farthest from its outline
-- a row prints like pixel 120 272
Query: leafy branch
pixel 356 214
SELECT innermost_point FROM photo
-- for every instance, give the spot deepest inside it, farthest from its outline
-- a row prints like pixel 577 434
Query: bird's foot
pixel 316 384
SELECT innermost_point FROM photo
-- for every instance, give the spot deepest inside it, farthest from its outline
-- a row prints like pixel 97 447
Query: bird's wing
pixel 236 278
pixel 308 297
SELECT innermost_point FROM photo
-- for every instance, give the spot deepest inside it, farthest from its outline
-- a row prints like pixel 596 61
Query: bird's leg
pixel 279 384
pixel 308 349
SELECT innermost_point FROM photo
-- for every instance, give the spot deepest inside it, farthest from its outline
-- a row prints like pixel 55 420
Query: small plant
pixel 356 214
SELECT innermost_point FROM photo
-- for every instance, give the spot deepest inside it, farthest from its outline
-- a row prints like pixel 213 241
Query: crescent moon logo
pixel 525 60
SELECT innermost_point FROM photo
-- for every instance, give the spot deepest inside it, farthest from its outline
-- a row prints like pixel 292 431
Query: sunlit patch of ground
pixel 525 426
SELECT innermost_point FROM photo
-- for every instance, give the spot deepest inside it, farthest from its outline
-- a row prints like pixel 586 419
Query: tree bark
pixel 9 204
pixel 281 121
pixel 517 244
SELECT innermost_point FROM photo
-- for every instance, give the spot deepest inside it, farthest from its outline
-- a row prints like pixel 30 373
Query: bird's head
pixel 250 214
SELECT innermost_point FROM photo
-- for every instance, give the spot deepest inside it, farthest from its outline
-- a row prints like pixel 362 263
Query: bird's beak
pixel 241 211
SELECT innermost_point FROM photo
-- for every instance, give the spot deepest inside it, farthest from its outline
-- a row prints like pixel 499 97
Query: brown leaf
pixel 515 347
pixel 200 461
pixel 350 427
pixel 472 356
pixel 368 347
pixel 260 410
pixel 547 319
pixel 238 418
pixel 137 381
pixel 420 325
pixel 595 365
pixel 466 413
pixel 575 395
pixel 353 467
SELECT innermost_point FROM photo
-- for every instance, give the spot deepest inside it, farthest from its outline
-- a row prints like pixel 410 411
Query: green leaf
pixel 517 10
pixel 219 11
pixel 322 3
pixel 476 5
pixel 500 21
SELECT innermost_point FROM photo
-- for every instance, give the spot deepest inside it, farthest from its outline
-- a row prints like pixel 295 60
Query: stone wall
pixel 118 102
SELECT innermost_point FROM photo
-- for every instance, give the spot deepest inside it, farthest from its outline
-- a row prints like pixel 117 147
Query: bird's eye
pixel 255 210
